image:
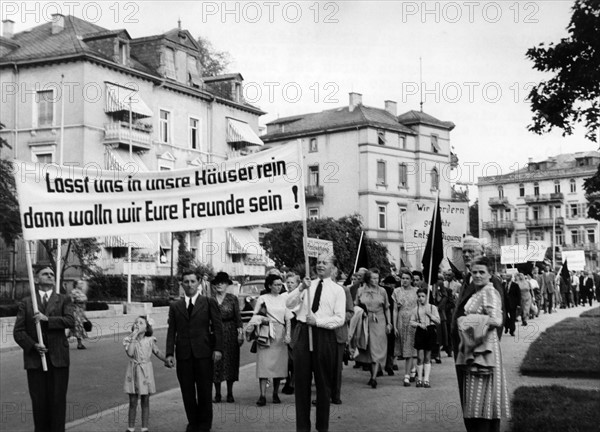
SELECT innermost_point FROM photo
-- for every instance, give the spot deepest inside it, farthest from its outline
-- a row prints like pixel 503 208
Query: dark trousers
pixel 482 425
pixel 549 302
pixel 576 298
pixel 590 296
pixel 336 383
pixel 322 363
pixel 195 377
pixel 48 391
pixel 511 318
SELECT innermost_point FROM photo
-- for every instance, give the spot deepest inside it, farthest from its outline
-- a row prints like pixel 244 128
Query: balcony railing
pixel 547 222
pixel 498 202
pixel 556 197
pixel 314 192
pixel 119 133
pixel 499 226
pixel 588 247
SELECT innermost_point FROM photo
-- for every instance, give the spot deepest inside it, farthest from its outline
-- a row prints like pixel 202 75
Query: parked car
pixel 249 293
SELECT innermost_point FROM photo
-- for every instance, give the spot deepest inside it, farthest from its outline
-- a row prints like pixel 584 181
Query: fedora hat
pixel 222 277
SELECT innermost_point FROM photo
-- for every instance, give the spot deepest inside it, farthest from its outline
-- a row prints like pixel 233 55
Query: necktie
pixel 317 299
pixel 45 302
pixel 190 308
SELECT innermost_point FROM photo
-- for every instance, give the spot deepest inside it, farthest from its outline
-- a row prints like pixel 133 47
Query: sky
pixel 301 57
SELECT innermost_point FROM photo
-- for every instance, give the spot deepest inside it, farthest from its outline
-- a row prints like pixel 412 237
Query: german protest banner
pixel 77 202
pixel 519 254
pixel 315 247
pixel 575 259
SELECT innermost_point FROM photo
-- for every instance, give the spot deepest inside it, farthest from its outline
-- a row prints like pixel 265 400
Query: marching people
pixel 341 335
pixel 325 313
pixel 78 298
pixel 575 288
pixel 525 289
pixel 587 287
pixel 513 300
pixel 389 284
pixel 405 299
pixel 228 369
pixel 424 319
pixel 292 280
pixel 189 340
pixel 374 300
pixel 272 360
pixel 139 377
pixel 47 389
pixel 548 288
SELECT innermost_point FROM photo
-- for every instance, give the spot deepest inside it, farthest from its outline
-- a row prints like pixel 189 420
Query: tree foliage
pixel 214 62
pixel 572 95
pixel 284 243
pixel 592 190
pixel 80 254
pixel 10 221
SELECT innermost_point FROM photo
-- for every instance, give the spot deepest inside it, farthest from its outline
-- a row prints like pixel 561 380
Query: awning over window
pixel 119 160
pixel 241 241
pixel 241 133
pixel 117 99
pixel 137 241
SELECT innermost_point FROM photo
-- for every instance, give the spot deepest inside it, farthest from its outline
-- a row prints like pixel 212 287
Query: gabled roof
pixel 337 118
pixel 419 117
pixel 182 37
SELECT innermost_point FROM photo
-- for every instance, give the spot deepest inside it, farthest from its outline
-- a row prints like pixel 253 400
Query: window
pixel 494 215
pixel 403 175
pixel 164 126
pixel 313 213
pixel 435 179
pixel 522 217
pixel 535 213
pixel 591 235
pixel 556 186
pixel 401 218
pixel 123 53
pixel 170 63
pixel 313 175
pixel 500 192
pixel 164 168
pixel 536 188
pixel 312 147
pixel 507 214
pixel 194 133
pixel 575 237
pixel 574 210
pixel 521 189
pixel 43 158
pixel 381 137
pixel 537 235
pixel 435 147
pixel 165 242
pixel 44 104
pixel 573 185
pixel 402 141
pixel 193 74
pixel 381 216
pixel 559 238
pixel 555 211
pixel 381 172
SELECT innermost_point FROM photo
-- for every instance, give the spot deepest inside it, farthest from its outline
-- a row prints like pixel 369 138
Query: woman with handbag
pixel 424 319
pixel 82 324
pixel 272 327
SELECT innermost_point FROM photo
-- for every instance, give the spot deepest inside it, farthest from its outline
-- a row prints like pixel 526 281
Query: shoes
pixel 81 347
pixel 438 360
pixel 276 399
pixel 395 367
pixel 525 324
pixel 230 399
pixel 262 401
pixel 374 383
pixel 336 401
pixel 412 378
pixel 287 390
pixel 419 383
pixel 380 373
pixel 512 333
pixel 370 382
pixel 406 382
pixel 390 371
pixel 426 384
pixel 217 398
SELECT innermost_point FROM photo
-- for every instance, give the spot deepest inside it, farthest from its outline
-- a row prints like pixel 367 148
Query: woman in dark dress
pixel 228 369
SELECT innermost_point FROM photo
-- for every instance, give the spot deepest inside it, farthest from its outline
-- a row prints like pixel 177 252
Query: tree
pixel 214 62
pixel 474 219
pixel 10 220
pixel 80 254
pixel 284 243
pixel 185 258
pixel 572 95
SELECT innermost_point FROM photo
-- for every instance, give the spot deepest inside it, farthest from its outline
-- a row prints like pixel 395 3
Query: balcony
pixel 118 133
pixel 499 226
pixel 314 192
pixel 544 223
pixel 588 247
pixel 556 197
pixel 498 202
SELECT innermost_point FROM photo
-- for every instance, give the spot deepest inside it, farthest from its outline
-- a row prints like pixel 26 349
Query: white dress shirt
pixel 192 299
pixel 332 305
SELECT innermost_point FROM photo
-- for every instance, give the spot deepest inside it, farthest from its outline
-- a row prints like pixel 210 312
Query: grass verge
pixel 568 348
pixel 592 313
pixel 555 408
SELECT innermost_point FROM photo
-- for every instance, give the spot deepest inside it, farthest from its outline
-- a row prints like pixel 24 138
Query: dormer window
pixel 123 53
pixel 169 65
pixel 380 137
pixel 193 72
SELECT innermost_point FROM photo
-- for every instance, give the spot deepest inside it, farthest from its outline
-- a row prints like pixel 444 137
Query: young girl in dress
pixel 424 317
pixel 139 379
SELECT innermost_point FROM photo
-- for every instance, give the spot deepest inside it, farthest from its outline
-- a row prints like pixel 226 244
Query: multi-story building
pixel 370 161
pixel 83 93
pixel 543 197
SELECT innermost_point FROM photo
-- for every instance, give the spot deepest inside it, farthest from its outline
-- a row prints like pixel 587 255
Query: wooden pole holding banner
pixel 129 236
pixel 435 216
pixel 358 251
pixel 38 326
pixel 304 236
pixel 60 162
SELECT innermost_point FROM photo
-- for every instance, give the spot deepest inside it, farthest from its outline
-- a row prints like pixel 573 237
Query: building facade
pixel 78 94
pixel 543 198
pixel 370 161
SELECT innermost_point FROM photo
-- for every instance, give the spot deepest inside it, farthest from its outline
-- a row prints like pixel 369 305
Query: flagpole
pixel 435 216
pixel 358 251
pixel 129 236
pixel 38 326
pixel 304 235
pixel 60 162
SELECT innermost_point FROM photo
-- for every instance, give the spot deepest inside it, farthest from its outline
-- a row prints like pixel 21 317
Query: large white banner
pixel 575 259
pixel 519 254
pixel 74 202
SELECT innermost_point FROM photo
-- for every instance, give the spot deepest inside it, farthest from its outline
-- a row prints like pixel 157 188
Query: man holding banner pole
pixel 321 316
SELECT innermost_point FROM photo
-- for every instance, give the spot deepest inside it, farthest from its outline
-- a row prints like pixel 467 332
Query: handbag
pixel 87 325
pixel 263 338
pixel 254 347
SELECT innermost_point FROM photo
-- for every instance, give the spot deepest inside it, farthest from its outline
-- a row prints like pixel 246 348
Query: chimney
pixel 8 28
pixel 355 100
pixel 58 23
pixel 391 107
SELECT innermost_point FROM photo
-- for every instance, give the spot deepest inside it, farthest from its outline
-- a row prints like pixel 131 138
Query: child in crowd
pixel 424 317
pixel 139 379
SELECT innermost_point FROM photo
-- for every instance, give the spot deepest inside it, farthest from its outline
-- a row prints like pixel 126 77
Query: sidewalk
pixel 390 407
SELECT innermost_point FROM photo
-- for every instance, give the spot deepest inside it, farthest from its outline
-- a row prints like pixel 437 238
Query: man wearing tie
pixel 48 390
pixel 189 338
pixel 325 313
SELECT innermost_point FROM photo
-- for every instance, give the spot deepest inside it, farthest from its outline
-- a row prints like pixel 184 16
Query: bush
pixel 96 306
pixel 592 313
pixel 160 302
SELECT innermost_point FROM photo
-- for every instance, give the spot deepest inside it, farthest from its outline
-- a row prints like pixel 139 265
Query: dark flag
pixel 455 270
pixel 564 273
pixel 434 249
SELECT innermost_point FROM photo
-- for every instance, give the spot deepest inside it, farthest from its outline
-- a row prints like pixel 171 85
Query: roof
pixel 337 118
pixel 223 77
pixel 419 117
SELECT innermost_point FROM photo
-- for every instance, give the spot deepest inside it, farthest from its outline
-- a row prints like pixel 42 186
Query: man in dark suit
pixel 587 288
pixel 48 390
pixel 189 338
